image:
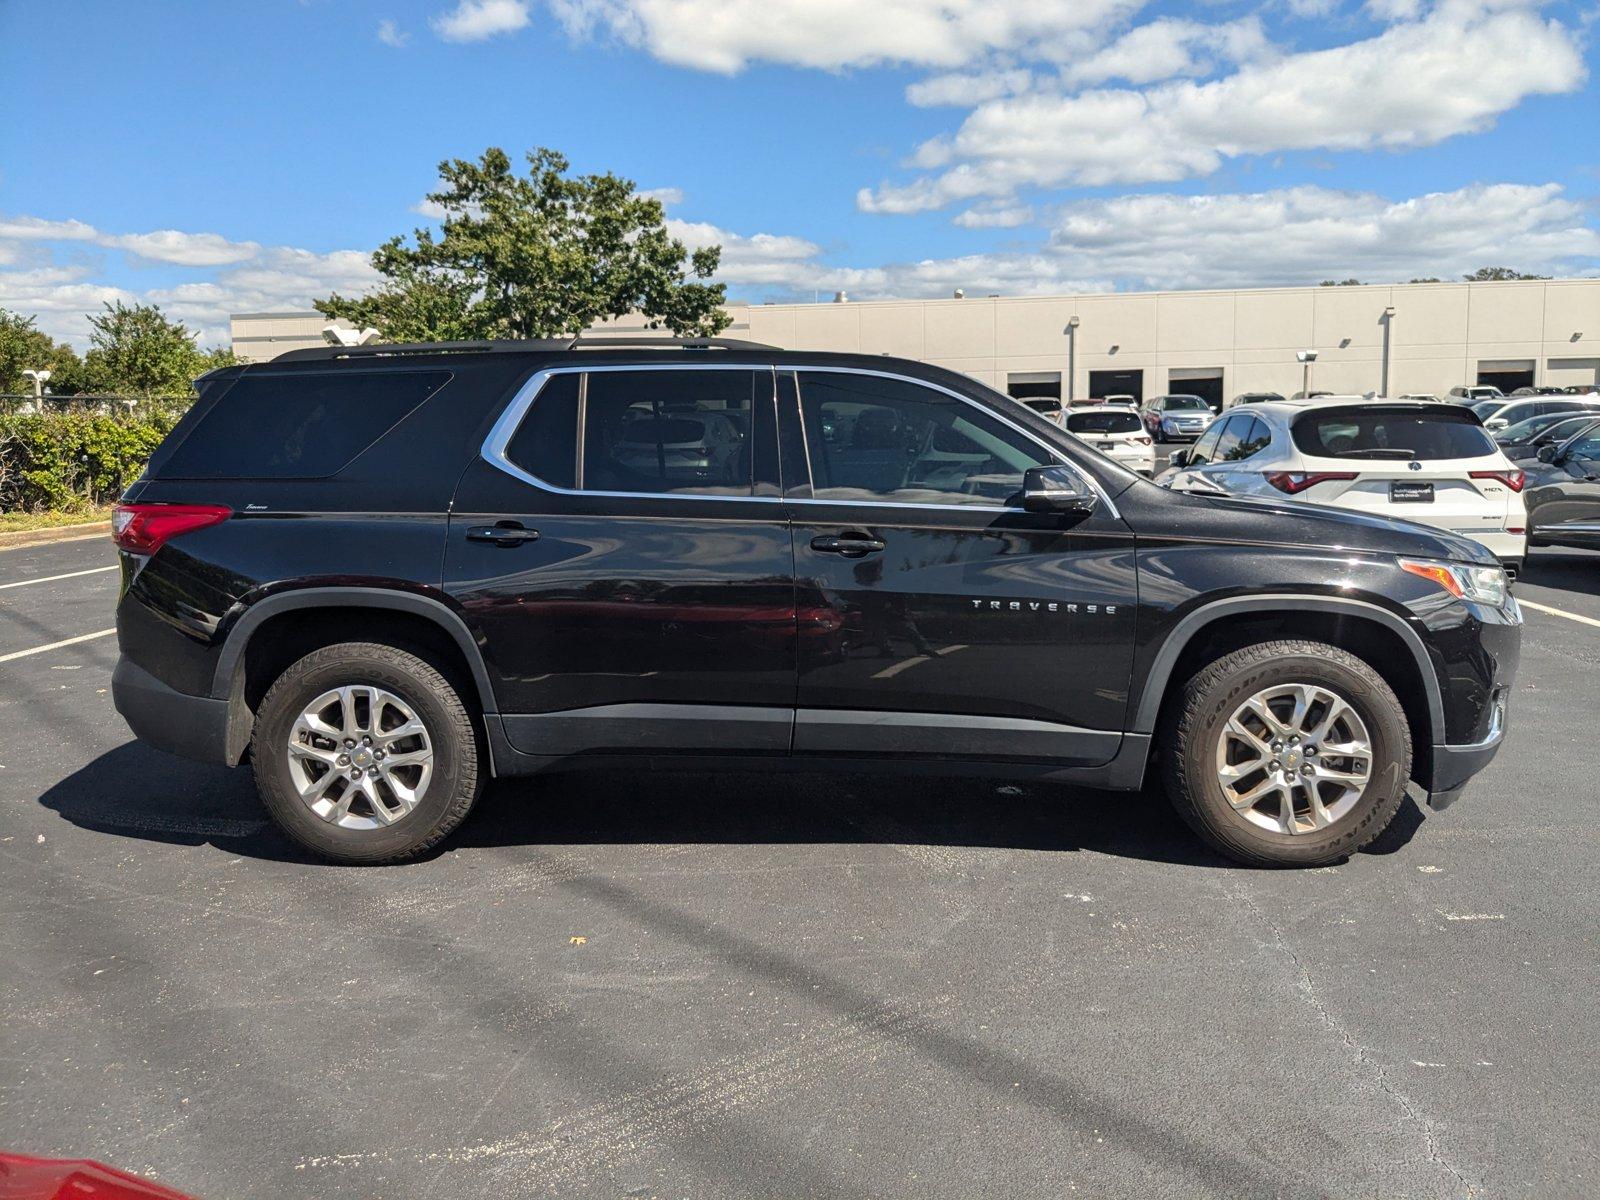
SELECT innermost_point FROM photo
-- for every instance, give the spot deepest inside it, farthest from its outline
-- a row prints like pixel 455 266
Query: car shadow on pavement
pixel 136 792
pixel 1563 570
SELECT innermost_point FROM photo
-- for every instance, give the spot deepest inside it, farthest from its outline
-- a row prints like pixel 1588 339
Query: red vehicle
pixel 24 1178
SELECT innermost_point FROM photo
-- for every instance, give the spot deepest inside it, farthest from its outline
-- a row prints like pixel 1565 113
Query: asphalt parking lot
pixel 656 984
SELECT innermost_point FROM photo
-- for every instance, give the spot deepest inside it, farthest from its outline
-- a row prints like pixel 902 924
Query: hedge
pixel 70 462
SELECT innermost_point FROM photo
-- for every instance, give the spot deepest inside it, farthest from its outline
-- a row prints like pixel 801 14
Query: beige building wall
pixel 1441 335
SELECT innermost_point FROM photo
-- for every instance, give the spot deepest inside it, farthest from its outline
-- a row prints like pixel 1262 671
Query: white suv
pixel 1117 432
pixel 1413 460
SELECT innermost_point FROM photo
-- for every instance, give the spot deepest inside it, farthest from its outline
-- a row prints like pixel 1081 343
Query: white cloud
pixel 727 35
pixel 479 20
pixel 668 196
pixel 246 277
pixel 1402 88
pixel 988 216
pixel 1301 235
pixel 964 90
pixel 1168 47
pixel 391 34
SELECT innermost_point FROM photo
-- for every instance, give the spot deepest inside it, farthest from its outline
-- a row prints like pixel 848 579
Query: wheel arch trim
pixel 238 638
pixel 1158 677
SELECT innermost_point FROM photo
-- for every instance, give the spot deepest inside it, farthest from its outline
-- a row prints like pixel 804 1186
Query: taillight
pixel 1295 482
pixel 1513 479
pixel 145 528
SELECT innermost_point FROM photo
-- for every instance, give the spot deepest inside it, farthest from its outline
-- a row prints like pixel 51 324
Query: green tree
pixel 135 349
pixel 25 348
pixel 535 256
pixel 1342 283
pixel 1496 274
pixel 1427 279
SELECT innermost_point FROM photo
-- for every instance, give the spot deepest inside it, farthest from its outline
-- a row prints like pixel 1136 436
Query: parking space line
pixel 71 641
pixel 1558 612
pixel 53 578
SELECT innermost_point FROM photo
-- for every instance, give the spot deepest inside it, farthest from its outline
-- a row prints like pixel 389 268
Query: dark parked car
pixel 1561 488
pixel 387 573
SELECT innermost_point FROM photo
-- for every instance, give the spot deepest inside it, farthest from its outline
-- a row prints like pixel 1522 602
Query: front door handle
pixel 850 547
pixel 508 533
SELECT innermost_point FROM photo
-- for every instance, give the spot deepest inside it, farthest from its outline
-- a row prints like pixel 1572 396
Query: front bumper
pixel 188 726
pixel 1454 766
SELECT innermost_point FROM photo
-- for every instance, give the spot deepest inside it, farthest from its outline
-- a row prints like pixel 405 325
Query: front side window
pixel 1206 448
pixel 874 439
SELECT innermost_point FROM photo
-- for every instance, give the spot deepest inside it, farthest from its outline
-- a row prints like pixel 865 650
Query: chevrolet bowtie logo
pixel 1044 606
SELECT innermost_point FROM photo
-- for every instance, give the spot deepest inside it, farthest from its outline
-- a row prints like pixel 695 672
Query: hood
pixel 1291 523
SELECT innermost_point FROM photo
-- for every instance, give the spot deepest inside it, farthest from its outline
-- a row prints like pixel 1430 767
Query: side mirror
pixel 1057 489
pixel 1179 458
pixel 1547 453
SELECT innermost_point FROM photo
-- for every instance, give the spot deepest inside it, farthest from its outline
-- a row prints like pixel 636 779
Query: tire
pixel 389 689
pixel 1256 834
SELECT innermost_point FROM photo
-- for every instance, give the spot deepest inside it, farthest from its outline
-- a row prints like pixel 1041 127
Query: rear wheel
pixel 365 753
pixel 1291 753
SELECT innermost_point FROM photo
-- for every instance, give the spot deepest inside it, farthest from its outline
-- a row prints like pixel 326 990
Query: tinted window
pixel 1184 404
pixel 883 439
pixel 1255 438
pixel 1227 447
pixel 1104 422
pixel 668 431
pixel 1387 434
pixel 298 425
pixel 546 443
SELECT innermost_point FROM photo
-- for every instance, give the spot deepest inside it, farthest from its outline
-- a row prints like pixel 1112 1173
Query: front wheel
pixel 365 753
pixel 1288 753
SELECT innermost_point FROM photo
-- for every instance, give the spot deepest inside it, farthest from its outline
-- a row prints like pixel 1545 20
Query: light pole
pixel 39 378
pixel 1388 326
pixel 1306 357
pixel 1072 358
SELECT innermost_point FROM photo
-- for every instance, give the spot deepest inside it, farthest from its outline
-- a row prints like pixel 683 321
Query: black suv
pixel 387 573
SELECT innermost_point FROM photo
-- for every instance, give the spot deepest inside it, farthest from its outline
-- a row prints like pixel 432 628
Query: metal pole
pixel 1388 326
pixel 1072 358
pixel 1305 381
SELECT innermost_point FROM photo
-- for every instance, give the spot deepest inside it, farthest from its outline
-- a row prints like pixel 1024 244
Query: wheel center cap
pixel 362 757
pixel 1291 759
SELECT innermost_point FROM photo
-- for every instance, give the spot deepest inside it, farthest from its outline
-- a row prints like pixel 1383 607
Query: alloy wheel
pixel 1294 758
pixel 360 757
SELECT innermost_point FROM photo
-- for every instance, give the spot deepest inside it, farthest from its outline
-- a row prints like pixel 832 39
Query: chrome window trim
pixel 499 438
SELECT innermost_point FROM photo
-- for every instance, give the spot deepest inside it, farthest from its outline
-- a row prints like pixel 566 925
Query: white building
pixel 1431 337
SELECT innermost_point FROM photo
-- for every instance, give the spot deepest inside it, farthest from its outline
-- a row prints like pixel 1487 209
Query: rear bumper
pixel 189 726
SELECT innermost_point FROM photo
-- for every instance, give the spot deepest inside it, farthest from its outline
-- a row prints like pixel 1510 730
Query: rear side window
pixel 546 443
pixel 1104 422
pixel 298 425
pixel 1379 433
pixel 667 432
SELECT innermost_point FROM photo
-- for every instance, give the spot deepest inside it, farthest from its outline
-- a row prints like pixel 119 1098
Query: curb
pixel 58 533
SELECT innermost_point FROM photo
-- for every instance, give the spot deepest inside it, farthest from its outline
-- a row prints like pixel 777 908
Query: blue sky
pixel 220 157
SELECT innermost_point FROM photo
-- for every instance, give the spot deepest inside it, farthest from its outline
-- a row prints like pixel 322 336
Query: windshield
pixel 1487 408
pixel 1185 404
pixel 1103 422
pixel 1533 426
pixel 1387 433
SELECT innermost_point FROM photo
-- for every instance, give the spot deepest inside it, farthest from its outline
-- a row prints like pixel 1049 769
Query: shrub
pixel 75 460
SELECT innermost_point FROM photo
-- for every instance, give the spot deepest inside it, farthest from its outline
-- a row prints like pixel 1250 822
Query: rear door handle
pixel 851 547
pixel 508 534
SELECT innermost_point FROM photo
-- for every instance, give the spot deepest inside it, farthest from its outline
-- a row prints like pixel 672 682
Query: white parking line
pixel 1558 612
pixel 53 578
pixel 72 641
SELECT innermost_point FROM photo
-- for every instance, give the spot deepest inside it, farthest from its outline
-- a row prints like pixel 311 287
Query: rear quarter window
pixel 298 424
pixel 1390 434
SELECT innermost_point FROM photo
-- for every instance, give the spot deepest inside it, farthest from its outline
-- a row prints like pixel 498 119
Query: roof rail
pixel 605 342
pixel 512 346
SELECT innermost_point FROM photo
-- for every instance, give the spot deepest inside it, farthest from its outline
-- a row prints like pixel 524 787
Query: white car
pixel 1415 461
pixel 1048 408
pixel 1513 411
pixel 1117 432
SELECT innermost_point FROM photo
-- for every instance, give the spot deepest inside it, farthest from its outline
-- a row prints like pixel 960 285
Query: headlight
pixel 1482 585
